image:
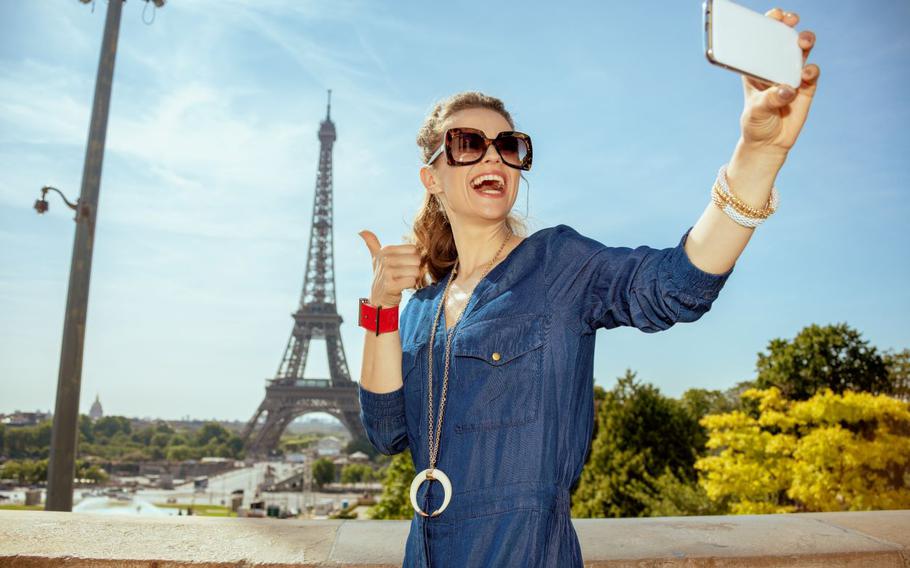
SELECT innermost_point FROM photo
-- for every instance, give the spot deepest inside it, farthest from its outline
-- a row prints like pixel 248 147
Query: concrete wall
pixel 32 539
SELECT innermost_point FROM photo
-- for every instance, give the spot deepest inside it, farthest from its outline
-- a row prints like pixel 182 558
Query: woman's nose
pixel 491 154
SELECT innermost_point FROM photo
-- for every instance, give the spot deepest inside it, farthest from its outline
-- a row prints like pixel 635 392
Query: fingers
pixel 776 98
pixel 810 75
pixel 806 43
pixel 401 259
pixel 789 18
pixel 403 281
pixel 371 240
pixel 806 37
pixel 396 267
pixel 807 88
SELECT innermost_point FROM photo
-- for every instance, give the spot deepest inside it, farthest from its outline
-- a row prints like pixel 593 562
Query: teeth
pixel 487 177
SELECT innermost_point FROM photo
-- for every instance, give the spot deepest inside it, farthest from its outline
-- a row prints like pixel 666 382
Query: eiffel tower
pixel 289 395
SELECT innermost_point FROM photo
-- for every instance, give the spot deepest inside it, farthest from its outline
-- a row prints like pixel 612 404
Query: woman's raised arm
pixel 598 286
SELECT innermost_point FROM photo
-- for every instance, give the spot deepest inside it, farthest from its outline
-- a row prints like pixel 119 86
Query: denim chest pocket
pixel 498 364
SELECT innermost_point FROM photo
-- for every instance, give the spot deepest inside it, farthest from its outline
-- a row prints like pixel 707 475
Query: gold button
pixel 496 356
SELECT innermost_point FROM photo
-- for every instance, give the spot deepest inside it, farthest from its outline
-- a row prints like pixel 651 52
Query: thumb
pixel 371 240
pixel 775 98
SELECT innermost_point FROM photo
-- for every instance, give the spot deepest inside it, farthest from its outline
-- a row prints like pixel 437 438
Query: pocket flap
pixel 410 360
pixel 499 340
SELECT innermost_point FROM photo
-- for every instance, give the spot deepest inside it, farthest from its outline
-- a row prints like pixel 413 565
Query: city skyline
pixel 212 155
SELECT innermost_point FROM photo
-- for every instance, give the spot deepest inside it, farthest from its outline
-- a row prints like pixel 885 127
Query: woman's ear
pixel 428 178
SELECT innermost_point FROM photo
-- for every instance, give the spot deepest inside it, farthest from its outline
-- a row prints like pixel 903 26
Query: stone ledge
pixel 38 539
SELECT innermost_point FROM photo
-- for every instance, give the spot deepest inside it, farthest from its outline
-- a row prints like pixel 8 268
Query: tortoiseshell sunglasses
pixel 466 146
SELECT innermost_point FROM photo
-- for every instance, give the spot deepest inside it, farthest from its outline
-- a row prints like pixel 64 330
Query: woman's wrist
pixel 385 301
pixel 751 173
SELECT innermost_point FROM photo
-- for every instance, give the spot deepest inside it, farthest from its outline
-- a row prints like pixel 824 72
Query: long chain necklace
pixel 433 473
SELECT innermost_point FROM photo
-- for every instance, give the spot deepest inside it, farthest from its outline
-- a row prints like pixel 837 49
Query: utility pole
pixel 61 467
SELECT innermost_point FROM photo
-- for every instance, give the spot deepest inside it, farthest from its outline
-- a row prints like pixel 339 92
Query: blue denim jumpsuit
pixel 517 427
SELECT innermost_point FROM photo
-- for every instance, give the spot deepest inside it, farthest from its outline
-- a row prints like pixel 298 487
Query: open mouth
pixel 490 185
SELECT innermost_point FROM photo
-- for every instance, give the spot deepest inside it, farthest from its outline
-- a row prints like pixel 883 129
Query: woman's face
pixel 457 187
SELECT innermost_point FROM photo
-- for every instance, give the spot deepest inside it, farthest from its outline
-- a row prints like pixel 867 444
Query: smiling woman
pixel 432 232
pixel 516 346
pixel 519 314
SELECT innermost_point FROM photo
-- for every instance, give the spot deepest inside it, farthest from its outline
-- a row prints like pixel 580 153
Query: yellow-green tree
pixel 832 452
pixel 395 502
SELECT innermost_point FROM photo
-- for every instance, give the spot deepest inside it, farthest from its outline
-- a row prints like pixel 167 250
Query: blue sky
pixel 211 159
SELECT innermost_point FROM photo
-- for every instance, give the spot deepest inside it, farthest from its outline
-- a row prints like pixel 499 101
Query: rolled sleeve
pixel 383 418
pixel 690 280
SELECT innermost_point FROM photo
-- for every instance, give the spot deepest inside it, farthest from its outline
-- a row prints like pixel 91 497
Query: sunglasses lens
pixel 513 149
pixel 467 146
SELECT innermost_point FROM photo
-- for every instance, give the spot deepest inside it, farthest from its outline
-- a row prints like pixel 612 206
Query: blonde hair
pixel 431 231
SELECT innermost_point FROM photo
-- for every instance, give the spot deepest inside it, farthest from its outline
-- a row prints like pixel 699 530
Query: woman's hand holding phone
pixel 774 114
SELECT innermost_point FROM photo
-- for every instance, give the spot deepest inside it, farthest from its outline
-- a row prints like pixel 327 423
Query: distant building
pixel 95 411
pixel 18 418
pixel 295 457
pixel 328 446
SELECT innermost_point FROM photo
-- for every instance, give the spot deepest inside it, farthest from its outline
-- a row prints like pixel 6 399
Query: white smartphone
pixel 750 43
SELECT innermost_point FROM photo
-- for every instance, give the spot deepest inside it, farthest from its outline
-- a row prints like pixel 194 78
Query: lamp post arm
pixel 47 188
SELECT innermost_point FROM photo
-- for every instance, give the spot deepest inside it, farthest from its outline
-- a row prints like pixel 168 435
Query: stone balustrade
pixel 38 539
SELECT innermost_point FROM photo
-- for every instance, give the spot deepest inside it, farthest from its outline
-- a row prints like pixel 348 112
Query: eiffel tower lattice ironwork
pixel 289 395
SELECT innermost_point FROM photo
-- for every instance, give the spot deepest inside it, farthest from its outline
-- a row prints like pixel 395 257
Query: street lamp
pixel 65 430
pixel 41 204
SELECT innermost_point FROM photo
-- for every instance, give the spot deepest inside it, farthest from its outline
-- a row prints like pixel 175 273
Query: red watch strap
pixel 377 318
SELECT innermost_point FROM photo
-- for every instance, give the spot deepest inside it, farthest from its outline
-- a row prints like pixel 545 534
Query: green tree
pixel 25 472
pixel 898 364
pixel 160 440
pixel 356 473
pixel 360 444
pixel 600 395
pixel 87 470
pixel 28 442
pixel 395 502
pixel 669 496
pixel 323 471
pixel 179 439
pixel 86 429
pixel 235 446
pixel 162 427
pixel 110 426
pixel 180 453
pixel 832 356
pixel 700 402
pixel 639 431
pixel 11 469
pixel 211 431
pixel 143 437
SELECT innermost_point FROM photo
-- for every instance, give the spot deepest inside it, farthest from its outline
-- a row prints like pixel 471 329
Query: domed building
pixel 95 411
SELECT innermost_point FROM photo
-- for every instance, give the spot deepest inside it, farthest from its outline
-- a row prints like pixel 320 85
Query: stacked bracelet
pixel 735 208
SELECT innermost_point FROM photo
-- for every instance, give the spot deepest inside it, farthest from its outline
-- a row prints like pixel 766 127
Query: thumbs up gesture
pixel 395 267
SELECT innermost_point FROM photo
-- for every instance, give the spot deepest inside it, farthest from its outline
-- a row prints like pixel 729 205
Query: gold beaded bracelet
pixel 722 197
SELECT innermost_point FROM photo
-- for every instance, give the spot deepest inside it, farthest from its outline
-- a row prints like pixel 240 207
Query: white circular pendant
pixel 430 475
